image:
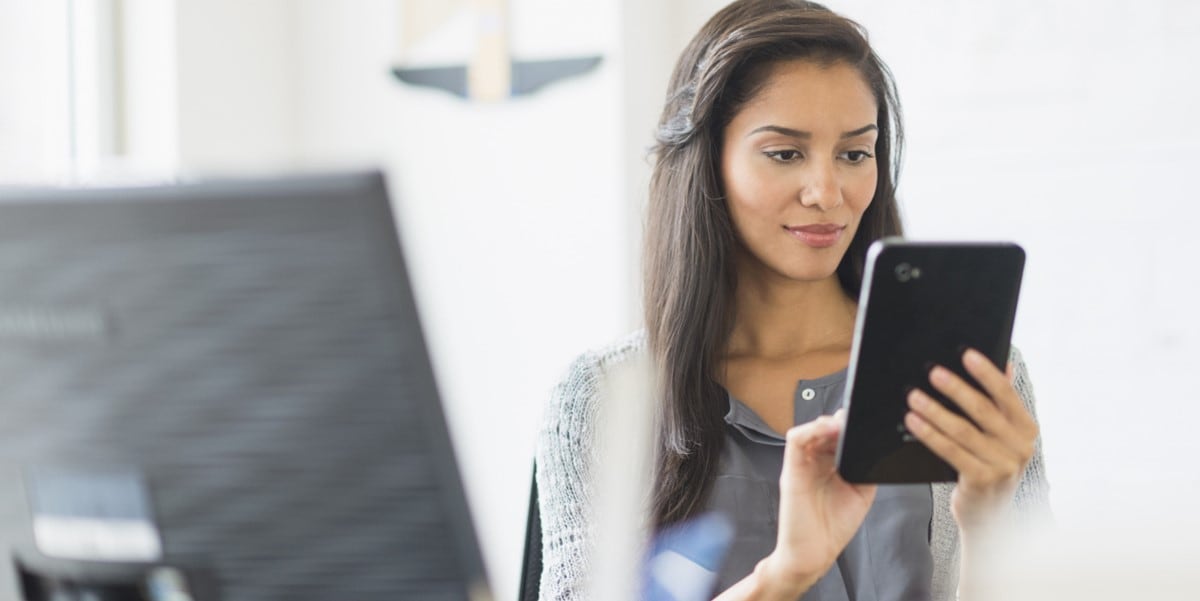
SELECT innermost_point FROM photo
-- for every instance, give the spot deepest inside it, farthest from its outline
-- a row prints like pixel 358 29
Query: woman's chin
pixel 808 273
pixel 809 268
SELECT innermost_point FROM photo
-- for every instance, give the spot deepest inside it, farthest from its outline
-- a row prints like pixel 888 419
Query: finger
pixel 997 385
pixel 836 424
pixel 799 437
pixel 1014 424
pixel 805 462
pixel 988 449
pixel 974 403
pixel 839 416
pixel 829 431
pixel 989 423
pixel 813 438
pixel 962 460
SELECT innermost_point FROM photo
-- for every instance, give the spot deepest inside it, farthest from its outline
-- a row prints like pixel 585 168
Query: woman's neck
pixel 778 318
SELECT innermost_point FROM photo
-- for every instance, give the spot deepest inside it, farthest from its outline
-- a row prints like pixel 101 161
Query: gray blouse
pixel 889 557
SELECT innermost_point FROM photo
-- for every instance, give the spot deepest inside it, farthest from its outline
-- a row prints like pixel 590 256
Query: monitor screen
pixel 225 385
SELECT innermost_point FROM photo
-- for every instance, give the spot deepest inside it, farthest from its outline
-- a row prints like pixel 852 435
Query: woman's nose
pixel 819 187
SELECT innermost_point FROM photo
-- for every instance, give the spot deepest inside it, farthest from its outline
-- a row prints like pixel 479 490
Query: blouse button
pixel 808 394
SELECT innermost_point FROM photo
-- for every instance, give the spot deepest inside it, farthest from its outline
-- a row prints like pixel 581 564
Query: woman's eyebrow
pixel 860 131
pixel 805 135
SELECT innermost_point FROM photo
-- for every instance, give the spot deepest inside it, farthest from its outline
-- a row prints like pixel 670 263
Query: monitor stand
pixel 45 578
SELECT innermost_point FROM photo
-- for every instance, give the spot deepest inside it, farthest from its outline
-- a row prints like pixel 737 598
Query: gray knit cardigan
pixel 566 454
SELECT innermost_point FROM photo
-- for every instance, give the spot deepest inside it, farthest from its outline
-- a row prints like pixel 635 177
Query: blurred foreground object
pixel 1110 562
pixel 229 377
pixel 624 471
pixel 683 562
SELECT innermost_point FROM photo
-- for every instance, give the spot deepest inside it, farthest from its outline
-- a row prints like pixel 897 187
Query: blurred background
pixel 1064 125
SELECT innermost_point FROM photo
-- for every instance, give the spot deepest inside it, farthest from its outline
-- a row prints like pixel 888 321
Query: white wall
pixel 34 133
pixel 150 91
pixel 235 75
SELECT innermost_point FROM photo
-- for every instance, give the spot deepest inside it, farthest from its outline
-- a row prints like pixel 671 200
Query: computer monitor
pixel 223 385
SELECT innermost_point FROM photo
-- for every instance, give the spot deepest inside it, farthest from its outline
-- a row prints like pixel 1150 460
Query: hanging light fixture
pixel 492 75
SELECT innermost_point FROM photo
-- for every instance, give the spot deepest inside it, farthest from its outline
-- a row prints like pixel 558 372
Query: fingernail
pixel 916 399
pixel 914 423
pixel 939 375
pixel 973 358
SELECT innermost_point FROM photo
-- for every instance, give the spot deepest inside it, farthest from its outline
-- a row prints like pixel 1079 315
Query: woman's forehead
pixel 811 94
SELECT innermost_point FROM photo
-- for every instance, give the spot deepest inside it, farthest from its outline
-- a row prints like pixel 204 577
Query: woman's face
pixel 798 167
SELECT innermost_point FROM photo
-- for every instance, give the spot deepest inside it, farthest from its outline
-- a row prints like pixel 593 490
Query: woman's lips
pixel 817 235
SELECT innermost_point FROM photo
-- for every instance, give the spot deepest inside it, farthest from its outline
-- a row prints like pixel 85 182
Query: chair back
pixel 531 566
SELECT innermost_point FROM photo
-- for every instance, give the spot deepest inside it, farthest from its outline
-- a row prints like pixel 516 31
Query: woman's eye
pixel 784 156
pixel 856 156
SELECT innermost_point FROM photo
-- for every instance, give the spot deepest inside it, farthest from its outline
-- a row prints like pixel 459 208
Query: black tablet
pixel 921 304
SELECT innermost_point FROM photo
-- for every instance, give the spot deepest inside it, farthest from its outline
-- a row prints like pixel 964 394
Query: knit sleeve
pixel 565 455
pixel 1033 493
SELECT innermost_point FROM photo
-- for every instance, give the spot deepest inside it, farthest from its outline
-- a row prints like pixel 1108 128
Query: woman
pixel 774 171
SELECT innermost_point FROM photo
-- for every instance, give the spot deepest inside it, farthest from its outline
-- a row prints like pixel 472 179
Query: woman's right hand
pixel 818 515
pixel 818 511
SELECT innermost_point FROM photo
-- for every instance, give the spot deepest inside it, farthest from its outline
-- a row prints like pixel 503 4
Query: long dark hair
pixel 689 248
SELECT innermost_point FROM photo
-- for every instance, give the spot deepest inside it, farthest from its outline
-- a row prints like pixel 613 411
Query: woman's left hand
pixel 991 454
